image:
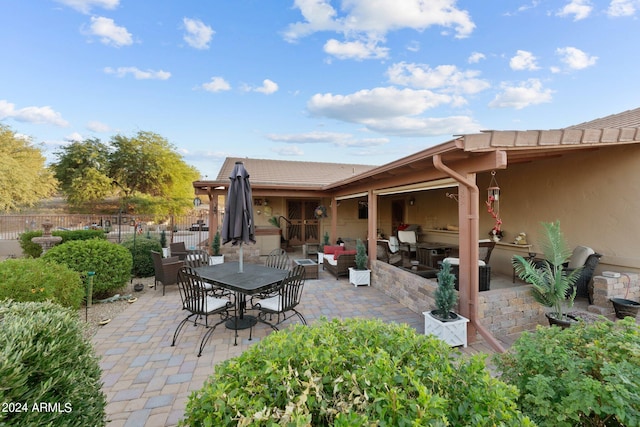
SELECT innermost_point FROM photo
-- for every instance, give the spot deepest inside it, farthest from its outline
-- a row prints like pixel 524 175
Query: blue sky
pixel 352 81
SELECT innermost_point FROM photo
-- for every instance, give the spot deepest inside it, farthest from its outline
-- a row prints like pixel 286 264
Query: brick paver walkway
pixel 147 382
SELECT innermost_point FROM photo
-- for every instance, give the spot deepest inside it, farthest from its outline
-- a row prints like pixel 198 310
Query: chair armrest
pixel 170 259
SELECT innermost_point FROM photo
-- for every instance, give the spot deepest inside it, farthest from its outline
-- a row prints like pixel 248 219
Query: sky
pixel 348 81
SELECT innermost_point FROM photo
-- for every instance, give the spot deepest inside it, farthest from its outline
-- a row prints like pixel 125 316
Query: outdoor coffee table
pixel 254 279
pixel 310 267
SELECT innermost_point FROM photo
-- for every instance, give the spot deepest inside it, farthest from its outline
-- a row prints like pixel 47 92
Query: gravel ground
pixel 101 312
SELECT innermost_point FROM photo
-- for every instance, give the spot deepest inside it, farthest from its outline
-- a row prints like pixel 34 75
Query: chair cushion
pixel 331 249
pixel 330 259
pixel 214 303
pixel 272 303
pixel 456 261
pixel 579 256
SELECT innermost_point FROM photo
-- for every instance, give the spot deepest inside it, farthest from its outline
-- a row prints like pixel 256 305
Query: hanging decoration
pixel 320 212
pixel 493 207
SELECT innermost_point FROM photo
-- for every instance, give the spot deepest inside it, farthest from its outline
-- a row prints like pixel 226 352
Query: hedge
pixel 352 373
pixel 48 372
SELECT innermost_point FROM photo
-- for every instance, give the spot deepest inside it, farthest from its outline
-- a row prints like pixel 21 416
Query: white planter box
pixel 453 332
pixel 320 257
pixel 359 277
pixel 217 259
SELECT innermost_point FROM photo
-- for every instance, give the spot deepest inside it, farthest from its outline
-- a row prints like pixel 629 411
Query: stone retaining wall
pixel 501 311
pixel 626 286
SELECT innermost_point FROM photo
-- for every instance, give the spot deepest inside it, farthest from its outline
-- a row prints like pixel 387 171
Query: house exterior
pixel 587 176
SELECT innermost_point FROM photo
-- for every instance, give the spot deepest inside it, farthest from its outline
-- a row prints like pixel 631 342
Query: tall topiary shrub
pixel 361 255
pixel 585 375
pixel 445 295
pixel 49 375
pixel 141 252
pixel 37 280
pixel 353 372
pixel 111 263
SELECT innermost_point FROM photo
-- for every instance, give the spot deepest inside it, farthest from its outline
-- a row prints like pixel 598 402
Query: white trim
pixel 431 185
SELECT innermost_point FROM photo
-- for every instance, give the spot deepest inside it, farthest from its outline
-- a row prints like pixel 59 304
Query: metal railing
pixel 193 230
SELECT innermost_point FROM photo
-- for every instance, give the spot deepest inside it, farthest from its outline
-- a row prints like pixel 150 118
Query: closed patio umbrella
pixel 238 226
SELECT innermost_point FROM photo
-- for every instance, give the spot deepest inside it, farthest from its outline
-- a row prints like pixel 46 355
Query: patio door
pixel 303 227
pixel 397 215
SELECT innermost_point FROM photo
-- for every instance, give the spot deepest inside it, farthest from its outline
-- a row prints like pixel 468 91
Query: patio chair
pixel 199 303
pixel 165 269
pixel 200 258
pixel 408 240
pixel 285 301
pixel 485 247
pixel 278 258
pixel 179 249
pixel 588 259
pixel 383 253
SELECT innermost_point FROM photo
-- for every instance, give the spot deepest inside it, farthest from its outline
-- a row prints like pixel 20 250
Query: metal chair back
pixel 278 258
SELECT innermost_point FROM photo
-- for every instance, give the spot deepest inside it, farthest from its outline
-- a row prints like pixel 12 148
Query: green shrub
pixel 142 261
pixel 588 374
pixel 45 360
pixel 111 263
pixel 34 250
pixel 352 372
pixel 37 280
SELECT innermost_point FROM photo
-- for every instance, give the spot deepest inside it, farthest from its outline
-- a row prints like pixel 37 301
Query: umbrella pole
pixel 240 269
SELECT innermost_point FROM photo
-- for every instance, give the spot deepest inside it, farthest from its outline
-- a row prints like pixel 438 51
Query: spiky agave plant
pixel 551 283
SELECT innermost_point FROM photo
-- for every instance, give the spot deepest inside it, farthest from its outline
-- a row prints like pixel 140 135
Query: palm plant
pixel 551 283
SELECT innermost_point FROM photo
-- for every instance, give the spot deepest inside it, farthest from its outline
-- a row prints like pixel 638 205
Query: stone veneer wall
pixel 626 286
pixel 501 311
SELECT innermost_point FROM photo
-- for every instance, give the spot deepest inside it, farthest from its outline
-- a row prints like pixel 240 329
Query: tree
pixel 24 178
pixel 148 168
pixel 82 170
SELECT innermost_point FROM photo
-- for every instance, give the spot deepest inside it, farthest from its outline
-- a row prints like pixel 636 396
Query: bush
pixel 34 250
pixel 588 374
pixel 37 280
pixel 111 263
pixel 142 261
pixel 352 372
pixel 45 360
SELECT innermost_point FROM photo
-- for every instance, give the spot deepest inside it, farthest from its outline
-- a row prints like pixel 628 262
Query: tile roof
pixel 291 173
pixel 626 119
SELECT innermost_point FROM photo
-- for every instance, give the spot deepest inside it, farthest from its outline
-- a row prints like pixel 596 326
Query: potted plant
pixel 216 257
pixel 360 274
pixel 163 243
pixel 552 285
pixel 325 242
pixel 443 322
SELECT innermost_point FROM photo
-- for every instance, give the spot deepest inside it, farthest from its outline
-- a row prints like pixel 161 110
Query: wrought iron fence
pixel 191 229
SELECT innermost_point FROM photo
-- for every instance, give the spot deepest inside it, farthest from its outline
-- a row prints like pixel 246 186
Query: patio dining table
pixel 254 279
pixel 429 253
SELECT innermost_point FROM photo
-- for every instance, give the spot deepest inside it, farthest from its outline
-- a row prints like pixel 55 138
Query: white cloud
pixel 424 126
pixel 85 6
pixel 138 74
pixel 623 7
pixel 377 103
pixel 198 34
pixel 95 126
pixel 447 78
pixel 109 33
pixel 334 138
pixel 372 20
pixel 217 84
pixel 523 61
pixel 580 9
pixel 268 87
pixel 38 115
pixel 476 57
pixel 74 137
pixel 355 50
pixel 289 151
pixel 575 58
pixel 527 93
